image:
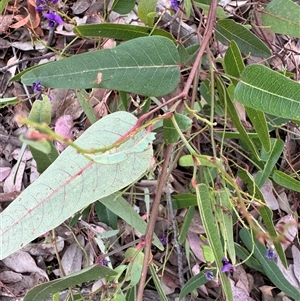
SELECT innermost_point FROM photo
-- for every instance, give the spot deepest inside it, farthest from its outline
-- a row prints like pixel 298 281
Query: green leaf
pixel 145 8
pixel 271 269
pixel 233 62
pixel 251 262
pixel 186 224
pixel 267 216
pixel 286 181
pixel 157 283
pixel 8 101
pixel 121 207
pixel 119 31
pixel 134 270
pixel 44 160
pixel 183 200
pixel 83 99
pixel 137 66
pixel 273 156
pixel 193 284
pixel 212 232
pixel 224 214
pixel 41 111
pixel 43 291
pixel 123 7
pixel 226 101
pixel 282 16
pixel 258 120
pixel 106 216
pixel 71 183
pixel 170 133
pixel 228 30
pixel 207 253
pixel 42 146
pixel 265 90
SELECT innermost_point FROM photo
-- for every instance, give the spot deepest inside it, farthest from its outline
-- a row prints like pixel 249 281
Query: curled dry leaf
pixel 287 226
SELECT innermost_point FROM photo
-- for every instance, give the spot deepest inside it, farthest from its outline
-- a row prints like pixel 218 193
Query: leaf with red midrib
pixel 73 182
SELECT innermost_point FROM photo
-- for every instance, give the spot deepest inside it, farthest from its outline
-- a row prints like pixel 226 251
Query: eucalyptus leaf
pixel 72 182
pixel 137 66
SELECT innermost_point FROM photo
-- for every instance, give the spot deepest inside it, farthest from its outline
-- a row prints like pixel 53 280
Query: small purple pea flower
pixel 209 275
pixel 163 239
pixel 37 88
pixel 174 4
pixel 270 254
pixel 227 266
pixel 53 19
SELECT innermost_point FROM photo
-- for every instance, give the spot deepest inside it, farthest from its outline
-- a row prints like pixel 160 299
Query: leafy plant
pixel 244 109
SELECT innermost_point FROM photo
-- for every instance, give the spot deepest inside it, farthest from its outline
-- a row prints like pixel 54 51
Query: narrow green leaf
pixel 286 181
pixel 123 7
pixel 157 284
pixel 266 90
pixel 121 207
pixel 193 284
pixel 137 66
pixel 43 291
pixel 267 216
pixel 145 8
pixel 224 213
pixel 251 262
pixel 258 120
pixel 233 61
pixel 212 232
pixel 186 224
pixel 123 32
pixel 83 98
pixel 228 104
pixel 274 155
pixel 8 101
pixel 228 30
pixel 271 269
pixel 282 16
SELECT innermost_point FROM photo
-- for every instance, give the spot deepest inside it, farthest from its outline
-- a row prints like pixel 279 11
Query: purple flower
pixel 174 4
pixel 37 88
pixel 270 254
pixel 227 266
pixel 209 275
pixel 163 239
pixel 53 18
